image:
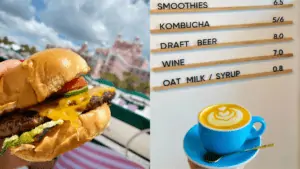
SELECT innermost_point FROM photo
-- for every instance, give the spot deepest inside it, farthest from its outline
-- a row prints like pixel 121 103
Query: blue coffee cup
pixel 229 141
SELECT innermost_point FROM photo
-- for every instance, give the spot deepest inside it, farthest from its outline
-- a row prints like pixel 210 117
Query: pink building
pixel 100 56
pixel 123 57
pixel 84 49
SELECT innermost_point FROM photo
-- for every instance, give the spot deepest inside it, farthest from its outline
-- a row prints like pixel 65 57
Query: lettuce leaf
pixel 27 137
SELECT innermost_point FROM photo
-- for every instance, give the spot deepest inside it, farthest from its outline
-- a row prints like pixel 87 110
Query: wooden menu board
pixel 208 52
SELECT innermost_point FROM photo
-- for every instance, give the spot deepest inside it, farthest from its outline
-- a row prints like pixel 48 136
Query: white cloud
pixel 29 31
pixel 19 8
pixel 96 21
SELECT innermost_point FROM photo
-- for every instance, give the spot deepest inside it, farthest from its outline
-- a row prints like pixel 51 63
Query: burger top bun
pixel 65 137
pixel 41 75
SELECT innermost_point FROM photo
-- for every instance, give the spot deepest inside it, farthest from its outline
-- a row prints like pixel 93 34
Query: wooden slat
pixel 221 27
pixel 215 9
pixel 219 62
pixel 241 77
pixel 225 44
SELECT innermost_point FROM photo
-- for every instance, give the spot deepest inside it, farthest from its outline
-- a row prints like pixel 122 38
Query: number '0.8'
pixel 277 68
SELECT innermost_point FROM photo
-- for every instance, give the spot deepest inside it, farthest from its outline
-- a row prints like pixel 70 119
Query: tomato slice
pixel 74 85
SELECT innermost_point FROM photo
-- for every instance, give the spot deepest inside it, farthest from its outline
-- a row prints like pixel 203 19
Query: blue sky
pixel 38 4
pixel 60 22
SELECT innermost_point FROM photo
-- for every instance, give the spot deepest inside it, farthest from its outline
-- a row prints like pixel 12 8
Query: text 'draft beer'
pixel 164 32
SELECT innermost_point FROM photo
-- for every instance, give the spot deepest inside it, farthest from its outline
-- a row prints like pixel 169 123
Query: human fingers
pixel 194 166
pixel 9 161
pixel 8 64
pixel 43 165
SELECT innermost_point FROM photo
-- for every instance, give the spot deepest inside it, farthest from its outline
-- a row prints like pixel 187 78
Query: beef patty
pixel 22 121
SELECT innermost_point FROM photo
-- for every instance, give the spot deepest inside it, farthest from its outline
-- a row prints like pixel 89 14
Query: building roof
pixel 106 82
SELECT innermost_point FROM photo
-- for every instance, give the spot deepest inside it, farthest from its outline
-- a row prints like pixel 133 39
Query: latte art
pixel 228 118
pixel 225 116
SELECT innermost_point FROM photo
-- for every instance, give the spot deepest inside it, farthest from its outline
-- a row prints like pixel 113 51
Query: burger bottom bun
pixel 65 137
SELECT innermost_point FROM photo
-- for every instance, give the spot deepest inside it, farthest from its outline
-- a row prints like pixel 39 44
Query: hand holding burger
pixel 46 107
pixel 8 161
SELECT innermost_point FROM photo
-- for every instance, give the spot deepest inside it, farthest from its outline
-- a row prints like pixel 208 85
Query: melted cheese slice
pixel 7 107
pixel 69 109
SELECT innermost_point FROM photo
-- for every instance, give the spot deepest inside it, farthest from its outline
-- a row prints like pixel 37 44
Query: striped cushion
pixel 92 156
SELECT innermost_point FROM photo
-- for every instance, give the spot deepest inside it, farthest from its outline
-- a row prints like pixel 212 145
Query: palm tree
pixel 130 81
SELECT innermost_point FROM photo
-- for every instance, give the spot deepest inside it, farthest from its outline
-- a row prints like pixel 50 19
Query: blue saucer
pixel 195 151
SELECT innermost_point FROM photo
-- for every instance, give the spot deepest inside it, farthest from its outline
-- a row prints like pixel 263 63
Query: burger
pixel 47 107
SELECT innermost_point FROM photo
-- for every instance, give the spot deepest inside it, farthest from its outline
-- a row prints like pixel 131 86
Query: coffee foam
pixel 228 118
pixel 224 116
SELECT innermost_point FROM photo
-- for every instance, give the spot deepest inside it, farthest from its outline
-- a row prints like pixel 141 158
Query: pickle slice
pixel 76 92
